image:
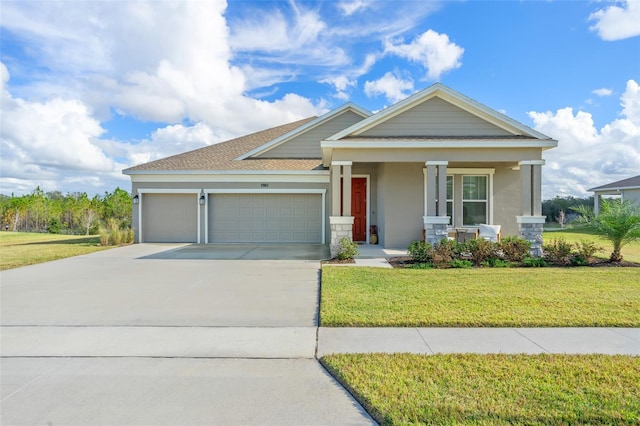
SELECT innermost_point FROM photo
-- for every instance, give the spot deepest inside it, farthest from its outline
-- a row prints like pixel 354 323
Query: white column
pixel 525 176
pixel 335 188
pixel 596 203
pixel 346 190
pixel 531 175
pixel 430 192
pixel 442 189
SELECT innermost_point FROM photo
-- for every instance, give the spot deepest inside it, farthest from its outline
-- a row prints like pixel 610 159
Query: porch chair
pixel 489 232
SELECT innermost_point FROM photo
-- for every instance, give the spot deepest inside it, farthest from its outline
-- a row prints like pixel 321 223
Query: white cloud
pixel 617 22
pixel 348 8
pixel 587 157
pixel 432 50
pixel 391 86
pixel 341 83
pixel 602 92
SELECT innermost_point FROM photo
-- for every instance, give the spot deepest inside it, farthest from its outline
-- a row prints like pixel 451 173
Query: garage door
pixel 169 218
pixel 265 218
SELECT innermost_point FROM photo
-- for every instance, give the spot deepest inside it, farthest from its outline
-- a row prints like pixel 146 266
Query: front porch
pixel 402 200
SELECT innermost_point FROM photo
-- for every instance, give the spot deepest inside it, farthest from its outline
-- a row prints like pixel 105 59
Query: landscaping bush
pixel 587 249
pixel 534 262
pixel 420 251
pixel 348 249
pixel 514 249
pixel 421 265
pixel 497 263
pixel 559 251
pixel 445 252
pixel 482 250
pixel 461 264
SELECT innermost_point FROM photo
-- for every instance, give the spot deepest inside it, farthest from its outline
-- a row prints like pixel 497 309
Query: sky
pixel 89 88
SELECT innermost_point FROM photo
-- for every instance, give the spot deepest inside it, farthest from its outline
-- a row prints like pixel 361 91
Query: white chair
pixel 489 232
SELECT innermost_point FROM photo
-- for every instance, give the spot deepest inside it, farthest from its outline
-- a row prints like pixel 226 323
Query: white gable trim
pixel 471 106
pixel 305 128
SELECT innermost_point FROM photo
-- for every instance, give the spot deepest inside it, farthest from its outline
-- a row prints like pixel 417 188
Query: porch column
pixel 435 219
pixel 340 221
pixel 442 188
pixel 346 189
pixel 335 188
pixel 531 222
pixel 430 191
pixel 596 203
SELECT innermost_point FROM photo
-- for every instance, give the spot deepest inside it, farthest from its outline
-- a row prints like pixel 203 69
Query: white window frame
pixel 478 201
pixel 487 172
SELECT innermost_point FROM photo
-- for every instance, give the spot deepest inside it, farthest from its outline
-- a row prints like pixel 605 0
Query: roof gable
pixel 477 119
pixel 316 129
pixel 629 183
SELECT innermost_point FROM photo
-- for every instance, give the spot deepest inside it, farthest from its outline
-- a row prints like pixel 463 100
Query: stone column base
pixel 530 228
pixel 435 228
pixel 341 227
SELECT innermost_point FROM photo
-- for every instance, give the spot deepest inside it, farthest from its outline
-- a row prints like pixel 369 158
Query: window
pixel 474 200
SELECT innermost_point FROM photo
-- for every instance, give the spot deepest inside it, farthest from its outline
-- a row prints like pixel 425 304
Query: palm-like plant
pixel 618 222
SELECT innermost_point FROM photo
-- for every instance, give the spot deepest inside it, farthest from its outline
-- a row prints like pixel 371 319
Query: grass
pixel 521 297
pixel 21 248
pixel 402 389
pixel 630 252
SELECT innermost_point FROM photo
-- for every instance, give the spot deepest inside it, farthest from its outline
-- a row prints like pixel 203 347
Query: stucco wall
pixel 507 199
pixel 633 195
pixel 400 203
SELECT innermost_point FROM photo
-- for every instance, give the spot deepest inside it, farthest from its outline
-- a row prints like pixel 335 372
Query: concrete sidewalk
pixel 623 341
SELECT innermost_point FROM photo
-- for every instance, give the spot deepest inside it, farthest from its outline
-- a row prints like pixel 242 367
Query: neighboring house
pixel 627 189
pixel 323 178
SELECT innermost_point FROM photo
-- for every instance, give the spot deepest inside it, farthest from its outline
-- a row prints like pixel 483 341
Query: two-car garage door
pixel 265 218
pixel 234 218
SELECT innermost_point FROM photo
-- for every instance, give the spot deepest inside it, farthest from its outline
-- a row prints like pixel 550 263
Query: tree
pixel 618 222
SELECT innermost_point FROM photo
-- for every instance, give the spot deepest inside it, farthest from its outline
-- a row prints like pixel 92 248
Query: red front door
pixel 358 207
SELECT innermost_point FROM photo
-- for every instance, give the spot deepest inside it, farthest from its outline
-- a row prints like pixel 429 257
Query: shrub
pixel 514 249
pixel 127 236
pixel 534 262
pixel 558 251
pixel 445 252
pixel 54 226
pixel 104 237
pixel 461 264
pixel 482 250
pixel 497 263
pixel 348 249
pixel 587 249
pixel 420 251
pixel 421 265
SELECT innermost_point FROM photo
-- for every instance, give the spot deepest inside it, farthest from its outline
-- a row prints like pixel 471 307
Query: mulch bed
pixel 337 261
pixel 402 262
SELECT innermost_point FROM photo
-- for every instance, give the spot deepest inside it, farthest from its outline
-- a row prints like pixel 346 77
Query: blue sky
pixel 92 87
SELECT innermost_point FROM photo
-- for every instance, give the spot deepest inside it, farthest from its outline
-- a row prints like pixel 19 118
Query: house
pixel 627 189
pixel 432 162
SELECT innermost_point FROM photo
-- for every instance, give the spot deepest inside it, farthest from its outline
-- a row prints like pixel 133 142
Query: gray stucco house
pixel 627 189
pixel 434 161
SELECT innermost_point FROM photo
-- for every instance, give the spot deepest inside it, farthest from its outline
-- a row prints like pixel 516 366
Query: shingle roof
pixel 624 183
pixel 222 156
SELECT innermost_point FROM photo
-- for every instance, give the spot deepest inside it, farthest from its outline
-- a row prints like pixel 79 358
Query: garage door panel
pixel 265 218
pixel 169 218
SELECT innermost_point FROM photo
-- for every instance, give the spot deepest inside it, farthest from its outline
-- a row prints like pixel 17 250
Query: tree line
pixel 563 209
pixel 58 213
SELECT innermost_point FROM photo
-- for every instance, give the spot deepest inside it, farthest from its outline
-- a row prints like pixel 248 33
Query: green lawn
pixel 630 252
pixel 402 389
pixel 22 248
pixel 518 297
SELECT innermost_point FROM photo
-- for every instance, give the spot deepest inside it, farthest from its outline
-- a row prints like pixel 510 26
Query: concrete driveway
pixel 153 334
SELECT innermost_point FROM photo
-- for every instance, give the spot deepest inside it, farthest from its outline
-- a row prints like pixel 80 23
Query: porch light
pixel 136 199
pixel 202 199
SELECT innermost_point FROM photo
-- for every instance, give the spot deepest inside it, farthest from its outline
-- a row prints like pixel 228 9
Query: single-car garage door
pixel 169 218
pixel 265 218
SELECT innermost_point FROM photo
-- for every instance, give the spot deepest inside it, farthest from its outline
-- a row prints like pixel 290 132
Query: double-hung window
pixel 474 200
